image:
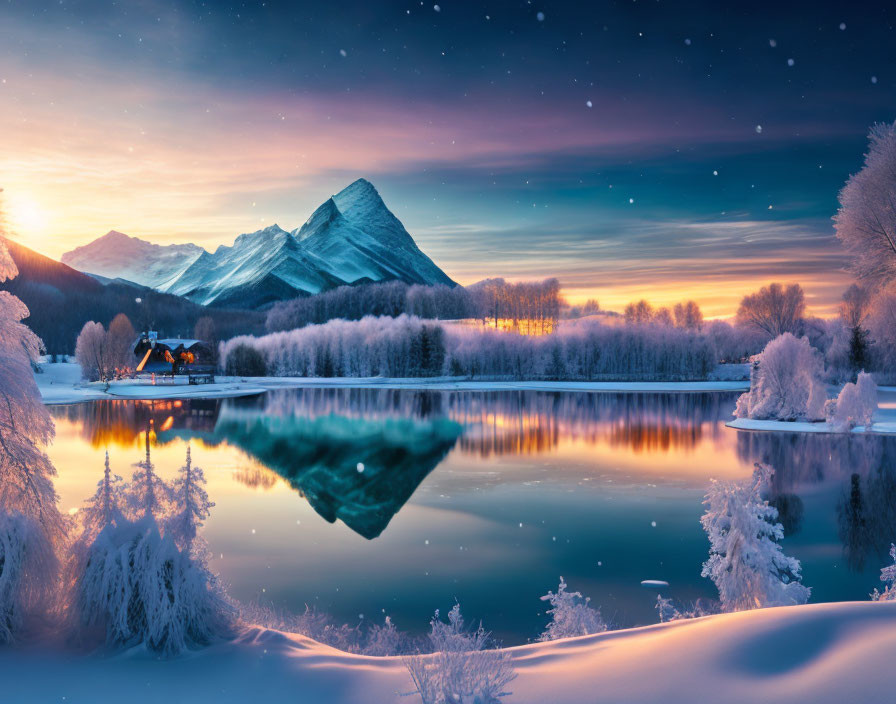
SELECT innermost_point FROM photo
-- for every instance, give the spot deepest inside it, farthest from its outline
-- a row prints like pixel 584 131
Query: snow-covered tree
pixel 139 588
pixel 571 615
pixel 191 505
pixel 106 505
pixel 460 670
pixel 31 527
pixel 774 309
pixel 785 382
pixel 120 340
pixel 666 609
pixel 888 576
pixel 854 309
pixel 746 562
pixel 688 315
pixel 92 352
pixel 855 405
pixel 866 221
pixel 638 313
pixel 882 326
pixel 148 494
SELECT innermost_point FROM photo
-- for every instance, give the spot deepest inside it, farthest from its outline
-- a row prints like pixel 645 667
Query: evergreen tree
pixel 191 505
pixel 148 495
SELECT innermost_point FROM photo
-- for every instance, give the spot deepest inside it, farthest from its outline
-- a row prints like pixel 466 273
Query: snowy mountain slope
pixel 351 238
pixel 117 256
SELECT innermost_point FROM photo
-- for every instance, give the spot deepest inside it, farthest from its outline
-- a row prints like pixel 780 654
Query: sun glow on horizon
pixel 26 216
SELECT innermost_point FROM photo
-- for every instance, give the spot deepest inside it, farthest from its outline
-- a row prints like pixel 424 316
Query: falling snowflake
pixel 687 42
pixel 540 17
pixel 653 524
pixel 772 43
pixel 343 52
pixel 436 8
pixel 758 129
pixel 631 200
pixel 715 173
pixel 874 79
pixel 790 62
pixel 360 467
pixel 588 103
pixel 842 26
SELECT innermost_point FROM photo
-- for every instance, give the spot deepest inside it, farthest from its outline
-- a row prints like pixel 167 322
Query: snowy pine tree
pixel 148 495
pixel 570 615
pixel 104 506
pixel 191 505
pixel 745 558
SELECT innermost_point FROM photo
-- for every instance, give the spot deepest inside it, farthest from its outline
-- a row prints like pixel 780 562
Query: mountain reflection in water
pixel 487 497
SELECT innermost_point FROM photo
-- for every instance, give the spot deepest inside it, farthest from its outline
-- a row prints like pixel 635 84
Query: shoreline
pixel 819 428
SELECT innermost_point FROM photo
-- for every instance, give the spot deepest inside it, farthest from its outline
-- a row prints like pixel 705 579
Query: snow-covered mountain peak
pixel 351 237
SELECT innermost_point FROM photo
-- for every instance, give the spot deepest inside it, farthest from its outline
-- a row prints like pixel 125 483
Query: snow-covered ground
pixel 821 653
pixel 61 383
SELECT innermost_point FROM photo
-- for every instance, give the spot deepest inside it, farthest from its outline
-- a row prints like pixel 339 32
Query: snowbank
pixel 783 426
pixel 823 653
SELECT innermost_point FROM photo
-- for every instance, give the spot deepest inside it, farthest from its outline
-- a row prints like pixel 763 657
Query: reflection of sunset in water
pixel 601 488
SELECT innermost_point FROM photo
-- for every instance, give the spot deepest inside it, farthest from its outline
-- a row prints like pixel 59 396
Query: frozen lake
pixel 362 502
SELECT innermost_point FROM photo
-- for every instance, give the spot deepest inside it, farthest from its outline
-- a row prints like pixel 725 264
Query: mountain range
pixel 352 238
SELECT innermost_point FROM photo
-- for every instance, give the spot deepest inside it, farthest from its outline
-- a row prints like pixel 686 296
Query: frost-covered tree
pixel 854 309
pixel 139 588
pixel 92 352
pixel 888 576
pixel 746 562
pixel 120 340
pixel 148 494
pixel 105 506
pixel 855 405
pixel 461 668
pixel 688 315
pixel 31 528
pixel 773 309
pixel 191 505
pixel 882 326
pixel 571 615
pixel 785 383
pixel 638 313
pixel 866 221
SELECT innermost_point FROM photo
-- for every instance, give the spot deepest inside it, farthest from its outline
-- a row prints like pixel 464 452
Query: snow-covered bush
pixel 139 588
pixel 855 405
pixel 667 610
pixel 27 572
pixel 785 382
pixel 888 576
pixel 746 562
pixel 460 669
pixel 571 615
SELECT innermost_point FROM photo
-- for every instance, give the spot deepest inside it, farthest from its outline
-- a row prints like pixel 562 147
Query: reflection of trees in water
pixel 866 466
pixel 809 458
pixel 867 514
pixel 121 423
pixel 525 422
pixel 257 477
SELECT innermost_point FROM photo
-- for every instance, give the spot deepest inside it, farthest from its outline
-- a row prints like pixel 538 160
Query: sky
pixel 664 150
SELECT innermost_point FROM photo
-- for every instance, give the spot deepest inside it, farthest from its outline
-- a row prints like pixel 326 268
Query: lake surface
pixel 362 502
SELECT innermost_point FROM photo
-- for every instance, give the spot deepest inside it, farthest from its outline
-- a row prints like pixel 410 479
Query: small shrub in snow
pixel 140 588
pixel 27 572
pixel 745 558
pixel 668 611
pixel 887 575
pixel 854 406
pixel 785 383
pixel 460 669
pixel 570 615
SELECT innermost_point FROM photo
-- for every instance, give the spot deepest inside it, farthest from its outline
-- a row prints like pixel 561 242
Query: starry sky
pixel 645 148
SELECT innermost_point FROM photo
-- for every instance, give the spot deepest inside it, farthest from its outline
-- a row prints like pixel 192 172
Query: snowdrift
pixel 822 653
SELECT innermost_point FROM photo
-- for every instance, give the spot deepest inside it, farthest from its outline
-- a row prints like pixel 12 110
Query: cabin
pixel 173 356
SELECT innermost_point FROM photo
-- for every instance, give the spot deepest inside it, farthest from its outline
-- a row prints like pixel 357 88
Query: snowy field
pixel 821 653
pixel 61 383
